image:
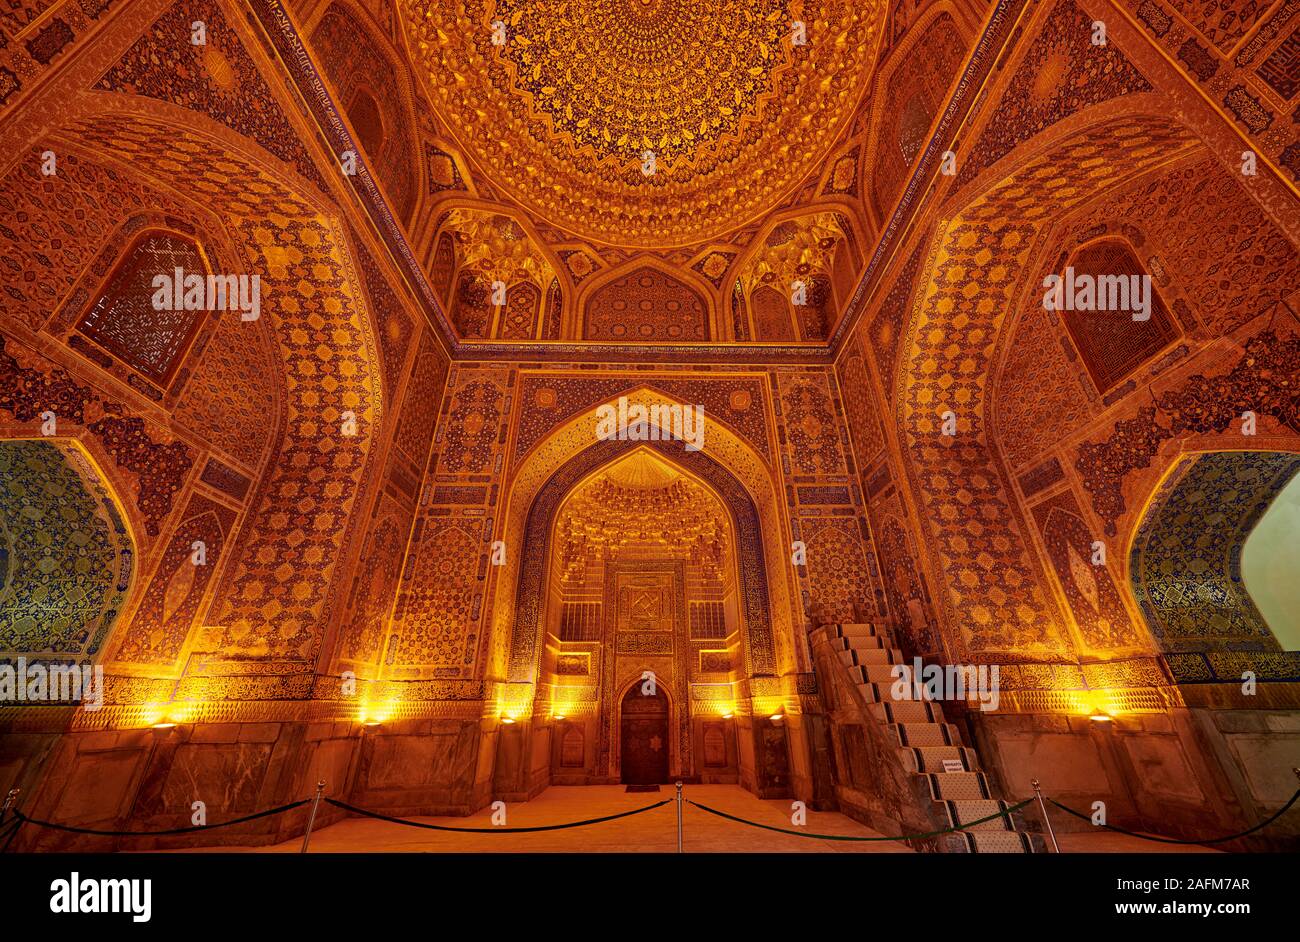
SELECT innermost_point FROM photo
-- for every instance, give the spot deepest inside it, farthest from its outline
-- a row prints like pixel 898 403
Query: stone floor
pixel 653 831
pixel 1108 842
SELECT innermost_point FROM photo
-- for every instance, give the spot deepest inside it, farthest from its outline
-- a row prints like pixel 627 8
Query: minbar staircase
pixel 923 740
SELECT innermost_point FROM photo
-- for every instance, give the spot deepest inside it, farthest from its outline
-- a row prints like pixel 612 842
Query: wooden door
pixel 644 738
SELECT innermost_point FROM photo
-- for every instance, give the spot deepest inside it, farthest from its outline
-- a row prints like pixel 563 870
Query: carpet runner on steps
pixel 925 741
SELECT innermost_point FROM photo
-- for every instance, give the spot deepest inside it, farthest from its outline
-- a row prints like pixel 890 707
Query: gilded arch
pixel 306 240
pixel 525 638
pixel 956 330
pixel 728 450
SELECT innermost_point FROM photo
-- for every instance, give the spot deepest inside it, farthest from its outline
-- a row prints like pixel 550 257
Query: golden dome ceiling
pixel 562 113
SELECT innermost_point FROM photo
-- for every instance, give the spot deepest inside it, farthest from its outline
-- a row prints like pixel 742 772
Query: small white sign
pixel 953 765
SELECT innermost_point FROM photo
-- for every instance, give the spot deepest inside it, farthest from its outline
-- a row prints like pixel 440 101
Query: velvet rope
pixel 540 827
pixel 850 837
pixel 1170 840
pixel 22 818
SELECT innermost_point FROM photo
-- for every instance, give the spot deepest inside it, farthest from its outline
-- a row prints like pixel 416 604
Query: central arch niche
pixel 641 595
pixel 537 654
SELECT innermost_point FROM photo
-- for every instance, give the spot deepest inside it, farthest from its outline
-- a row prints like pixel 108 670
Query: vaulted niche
pixel 66 556
pixel 1216 560
pixel 642 578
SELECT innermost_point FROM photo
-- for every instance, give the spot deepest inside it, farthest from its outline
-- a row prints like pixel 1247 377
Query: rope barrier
pixel 1169 840
pixel 7 832
pixel 850 837
pixel 189 830
pixel 494 830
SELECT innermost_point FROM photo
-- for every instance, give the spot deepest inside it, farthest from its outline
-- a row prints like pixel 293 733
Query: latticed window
pixel 708 620
pixel 580 621
pixel 124 320
pixel 1111 343
pixel 367 120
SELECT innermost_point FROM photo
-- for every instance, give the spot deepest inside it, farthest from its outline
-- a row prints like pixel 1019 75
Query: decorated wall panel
pixel 375 584
pixel 370 89
pixel 1091 593
pixel 647 305
pixel 178 588
pixel 1242 54
pixel 1260 381
pixel 1062 73
pixel 916 91
pixel 217 79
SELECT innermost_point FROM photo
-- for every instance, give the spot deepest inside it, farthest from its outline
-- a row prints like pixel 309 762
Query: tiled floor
pixel 652 831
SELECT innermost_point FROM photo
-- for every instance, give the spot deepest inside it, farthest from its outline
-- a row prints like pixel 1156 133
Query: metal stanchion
pixel 679 817
pixel 1043 808
pixel 10 800
pixel 311 819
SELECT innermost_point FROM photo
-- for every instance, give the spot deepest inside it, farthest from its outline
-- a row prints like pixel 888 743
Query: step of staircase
pixel 906 711
pixel 928 746
pixel 932 758
pixel 872 657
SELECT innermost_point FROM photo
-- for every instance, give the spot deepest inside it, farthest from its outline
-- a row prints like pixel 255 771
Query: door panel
pixel 644 738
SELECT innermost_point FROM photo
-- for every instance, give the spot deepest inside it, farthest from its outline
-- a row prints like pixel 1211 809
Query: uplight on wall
pixel 375 714
pixel 1100 705
pixel 164 716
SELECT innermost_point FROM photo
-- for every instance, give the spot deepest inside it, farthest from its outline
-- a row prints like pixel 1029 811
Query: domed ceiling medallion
pixel 646 123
